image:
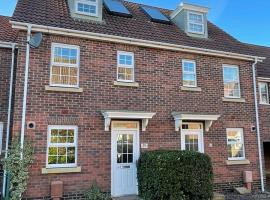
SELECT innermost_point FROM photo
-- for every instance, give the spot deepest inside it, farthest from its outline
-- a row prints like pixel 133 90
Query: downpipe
pixel 258 123
pixel 9 113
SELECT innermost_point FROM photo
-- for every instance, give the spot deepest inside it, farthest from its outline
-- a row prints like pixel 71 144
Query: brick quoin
pixel 158 73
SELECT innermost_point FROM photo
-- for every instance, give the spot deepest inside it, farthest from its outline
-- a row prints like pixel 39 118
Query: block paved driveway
pixel 248 197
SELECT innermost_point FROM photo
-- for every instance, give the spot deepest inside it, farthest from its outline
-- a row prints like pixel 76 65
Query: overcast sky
pixel 247 20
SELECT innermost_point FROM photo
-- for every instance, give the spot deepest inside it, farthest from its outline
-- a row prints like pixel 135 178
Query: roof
pixel 55 13
pixel 7 34
pixel 263 69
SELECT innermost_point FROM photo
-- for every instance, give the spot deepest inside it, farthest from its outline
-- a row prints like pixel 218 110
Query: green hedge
pixel 175 175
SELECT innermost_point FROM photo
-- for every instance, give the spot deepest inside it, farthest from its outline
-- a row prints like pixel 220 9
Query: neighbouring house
pixel 263 79
pixel 7 64
pixel 112 79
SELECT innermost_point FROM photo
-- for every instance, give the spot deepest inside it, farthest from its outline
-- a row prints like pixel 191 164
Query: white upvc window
pixel 192 137
pixel 264 95
pixel 87 7
pixel 195 22
pixel 189 73
pixel 62 146
pixel 1 135
pixel 235 143
pixel 65 65
pixel 125 66
pixel 231 81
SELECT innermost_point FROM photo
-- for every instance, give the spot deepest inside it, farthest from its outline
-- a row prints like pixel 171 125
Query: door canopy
pixel 141 115
pixel 208 119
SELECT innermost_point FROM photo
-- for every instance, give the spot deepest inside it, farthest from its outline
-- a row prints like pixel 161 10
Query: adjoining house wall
pixel 158 73
pixel 5 66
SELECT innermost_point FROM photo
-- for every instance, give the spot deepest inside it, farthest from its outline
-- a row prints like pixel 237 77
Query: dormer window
pixel 195 23
pixel 87 7
pixel 192 19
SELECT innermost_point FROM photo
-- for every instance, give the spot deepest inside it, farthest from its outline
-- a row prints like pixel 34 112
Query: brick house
pixel 113 79
pixel 263 79
pixel 7 64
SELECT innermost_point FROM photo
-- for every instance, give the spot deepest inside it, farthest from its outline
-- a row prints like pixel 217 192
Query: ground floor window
pixel 62 146
pixel 192 137
pixel 235 143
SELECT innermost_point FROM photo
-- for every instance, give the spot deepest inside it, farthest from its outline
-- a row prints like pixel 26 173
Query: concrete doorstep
pixel 218 196
pixel 127 198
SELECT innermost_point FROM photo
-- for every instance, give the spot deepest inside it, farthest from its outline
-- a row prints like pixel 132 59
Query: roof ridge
pixel 257 45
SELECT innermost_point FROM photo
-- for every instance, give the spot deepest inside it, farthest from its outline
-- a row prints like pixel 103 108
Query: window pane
pixel 195 18
pixel 196 28
pixel 60 150
pixel 192 142
pixel 231 82
pixel 264 93
pixel 235 143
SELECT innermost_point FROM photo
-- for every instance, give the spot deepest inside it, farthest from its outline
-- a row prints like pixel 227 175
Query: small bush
pixel 95 193
pixel 17 168
pixel 175 175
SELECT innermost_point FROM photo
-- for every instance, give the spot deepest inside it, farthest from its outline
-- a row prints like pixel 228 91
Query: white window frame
pixel 260 84
pixel 243 142
pixel 198 132
pixel 189 21
pixel 49 144
pixel 87 3
pixel 126 66
pixel 183 72
pixel 238 76
pixel 1 136
pixel 54 45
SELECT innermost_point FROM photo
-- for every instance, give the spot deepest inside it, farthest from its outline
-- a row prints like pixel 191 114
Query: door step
pixel 133 197
pixel 218 196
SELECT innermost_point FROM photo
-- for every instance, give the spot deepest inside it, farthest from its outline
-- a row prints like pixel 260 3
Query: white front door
pixel 125 153
pixel 192 137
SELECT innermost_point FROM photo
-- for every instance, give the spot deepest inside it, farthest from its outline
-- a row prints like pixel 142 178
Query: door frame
pixel 137 135
pixel 192 131
pixel 1 136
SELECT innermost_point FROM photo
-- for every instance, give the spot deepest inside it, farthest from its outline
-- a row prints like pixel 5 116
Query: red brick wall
pixel 159 74
pixel 5 64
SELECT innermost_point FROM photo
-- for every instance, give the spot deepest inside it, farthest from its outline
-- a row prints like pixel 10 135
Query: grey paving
pixel 248 197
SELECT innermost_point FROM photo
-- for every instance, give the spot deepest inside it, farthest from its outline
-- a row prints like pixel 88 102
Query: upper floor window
pixel 231 81
pixel 87 7
pixel 235 143
pixel 62 146
pixel 264 95
pixel 189 73
pixel 195 22
pixel 65 65
pixel 125 66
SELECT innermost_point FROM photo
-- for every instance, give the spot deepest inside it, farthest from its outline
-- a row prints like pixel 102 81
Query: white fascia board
pixel 132 41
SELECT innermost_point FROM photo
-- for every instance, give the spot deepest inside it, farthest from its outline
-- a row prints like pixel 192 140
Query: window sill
pixel 238 162
pixel 63 89
pixel 192 89
pixel 61 170
pixel 126 84
pixel 265 104
pixel 235 100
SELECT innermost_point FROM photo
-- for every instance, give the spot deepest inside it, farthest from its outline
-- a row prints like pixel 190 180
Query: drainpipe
pixel 9 112
pixel 26 72
pixel 257 121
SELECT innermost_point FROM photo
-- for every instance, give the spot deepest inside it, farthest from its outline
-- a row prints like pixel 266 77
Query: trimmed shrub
pixel 95 193
pixel 175 175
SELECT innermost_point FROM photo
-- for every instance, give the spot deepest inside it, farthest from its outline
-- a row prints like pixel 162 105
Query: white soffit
pixel 179 117
pixel 144 116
